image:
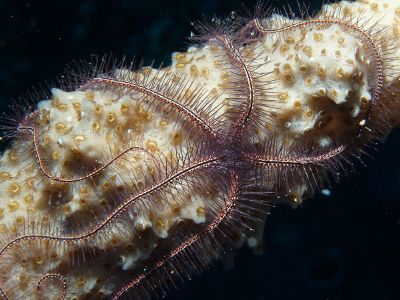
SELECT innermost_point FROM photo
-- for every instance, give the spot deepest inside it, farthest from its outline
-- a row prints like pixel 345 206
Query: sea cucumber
pixel 130 180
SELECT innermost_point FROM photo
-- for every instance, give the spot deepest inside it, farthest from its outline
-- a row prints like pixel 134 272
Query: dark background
pixel 346 246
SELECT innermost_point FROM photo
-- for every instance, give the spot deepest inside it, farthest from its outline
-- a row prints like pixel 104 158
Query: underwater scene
pixel 341 242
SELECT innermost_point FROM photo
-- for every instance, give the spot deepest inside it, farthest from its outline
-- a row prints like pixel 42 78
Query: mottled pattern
pixel 141 178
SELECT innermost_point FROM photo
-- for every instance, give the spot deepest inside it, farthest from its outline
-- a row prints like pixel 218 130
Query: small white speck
pixel 326 192
pixel 325 141
pixel 362 122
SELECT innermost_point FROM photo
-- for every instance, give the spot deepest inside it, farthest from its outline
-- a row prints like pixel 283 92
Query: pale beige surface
pixel 86 129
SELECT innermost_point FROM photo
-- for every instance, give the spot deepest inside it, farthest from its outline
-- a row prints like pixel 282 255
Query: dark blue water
pixel 346 246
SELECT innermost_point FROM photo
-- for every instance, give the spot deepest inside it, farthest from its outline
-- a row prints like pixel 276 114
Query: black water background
pixel 346 246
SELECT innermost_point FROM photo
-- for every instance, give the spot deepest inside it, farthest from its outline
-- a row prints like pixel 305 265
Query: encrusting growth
pixel 130 181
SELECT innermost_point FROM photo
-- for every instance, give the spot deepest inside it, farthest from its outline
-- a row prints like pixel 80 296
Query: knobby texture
pixel 131 179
